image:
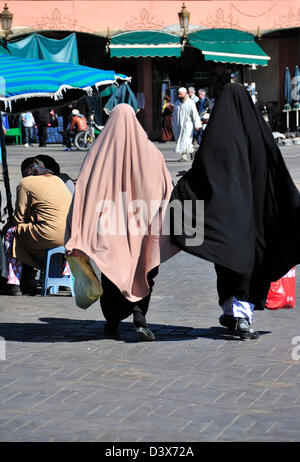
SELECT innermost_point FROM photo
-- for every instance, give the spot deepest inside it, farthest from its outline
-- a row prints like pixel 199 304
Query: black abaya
pixel 251 205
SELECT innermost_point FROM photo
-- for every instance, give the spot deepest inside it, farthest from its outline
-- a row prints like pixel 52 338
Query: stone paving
pixel 62 379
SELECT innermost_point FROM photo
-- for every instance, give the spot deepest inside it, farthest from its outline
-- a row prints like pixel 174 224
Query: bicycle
pixel 85 138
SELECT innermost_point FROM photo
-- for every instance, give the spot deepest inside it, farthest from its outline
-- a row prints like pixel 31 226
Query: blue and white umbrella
pixel 287 87
pixel 28 84
pixel 296 96
pixel 34 83
pixel 296 85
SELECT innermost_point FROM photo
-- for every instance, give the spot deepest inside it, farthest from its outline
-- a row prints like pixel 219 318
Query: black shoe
pixel 13 289
pixel 28 287
pixel 228 321
pixel 245 331
pixel 29 290
pixel 28 283
pixel 145 334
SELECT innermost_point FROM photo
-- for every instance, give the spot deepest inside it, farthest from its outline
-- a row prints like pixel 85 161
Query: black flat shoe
pixel 146 335
pixel 228 321
pixel 29 289
pixel 245 331
pixel 13 289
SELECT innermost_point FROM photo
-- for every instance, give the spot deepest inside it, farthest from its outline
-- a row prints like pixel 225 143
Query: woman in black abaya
pixel 251 208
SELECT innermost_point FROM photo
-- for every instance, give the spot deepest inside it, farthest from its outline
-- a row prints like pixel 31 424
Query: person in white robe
pixel 186 119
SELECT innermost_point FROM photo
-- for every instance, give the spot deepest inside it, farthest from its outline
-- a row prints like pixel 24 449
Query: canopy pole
pixel 5 172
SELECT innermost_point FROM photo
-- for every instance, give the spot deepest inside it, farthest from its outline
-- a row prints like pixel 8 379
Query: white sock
pixel 238 309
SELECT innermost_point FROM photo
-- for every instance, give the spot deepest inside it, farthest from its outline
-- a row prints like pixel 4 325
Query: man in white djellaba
pixel 185 119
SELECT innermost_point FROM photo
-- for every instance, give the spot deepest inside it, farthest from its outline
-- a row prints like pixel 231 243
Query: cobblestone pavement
pixel 62 379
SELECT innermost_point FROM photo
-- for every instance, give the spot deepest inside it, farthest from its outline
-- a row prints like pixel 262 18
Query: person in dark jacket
pixel 203 105
pixel 42 120
pixel 84 106
pixel 203 102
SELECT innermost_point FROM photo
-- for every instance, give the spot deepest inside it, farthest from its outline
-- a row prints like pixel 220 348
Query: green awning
pixel 228 46
pixel 145 43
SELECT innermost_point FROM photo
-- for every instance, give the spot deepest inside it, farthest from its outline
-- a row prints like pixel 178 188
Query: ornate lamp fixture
pixel 184 20
pixel 6 18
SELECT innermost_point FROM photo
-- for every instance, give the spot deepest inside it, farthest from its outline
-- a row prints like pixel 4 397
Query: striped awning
pixel 145 44
pixel 228 46
pixel 31 83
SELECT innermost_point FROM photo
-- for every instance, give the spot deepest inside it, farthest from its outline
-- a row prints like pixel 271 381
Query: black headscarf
pixel 251 205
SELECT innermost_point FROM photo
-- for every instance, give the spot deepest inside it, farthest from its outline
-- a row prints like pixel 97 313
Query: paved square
pixel 62 379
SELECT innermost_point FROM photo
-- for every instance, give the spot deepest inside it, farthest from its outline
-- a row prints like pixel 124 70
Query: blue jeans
pixel 199 135
pixel 28 135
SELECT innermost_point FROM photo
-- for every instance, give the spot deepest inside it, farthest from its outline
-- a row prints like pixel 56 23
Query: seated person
pixel 78 124
pixel 38 224
pixel 52 165
pixel 3 265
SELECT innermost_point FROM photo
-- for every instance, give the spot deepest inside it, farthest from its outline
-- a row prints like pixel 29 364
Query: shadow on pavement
pixel 74 330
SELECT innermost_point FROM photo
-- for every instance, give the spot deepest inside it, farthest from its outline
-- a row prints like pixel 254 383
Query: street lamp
pixel 258 34
pixel 184 19
pixel 6 18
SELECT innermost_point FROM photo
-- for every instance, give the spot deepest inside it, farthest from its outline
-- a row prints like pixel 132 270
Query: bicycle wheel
pixel 83 140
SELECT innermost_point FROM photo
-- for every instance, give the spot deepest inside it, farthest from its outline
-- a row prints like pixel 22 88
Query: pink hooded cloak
pixel 119 205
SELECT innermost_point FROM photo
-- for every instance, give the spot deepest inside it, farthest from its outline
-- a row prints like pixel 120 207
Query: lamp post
pixel 258 34
pixel 184 19
pixel 6 18
pixel 108 41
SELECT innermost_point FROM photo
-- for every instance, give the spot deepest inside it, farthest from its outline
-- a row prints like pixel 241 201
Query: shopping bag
pixel 87 287
pixel 282 293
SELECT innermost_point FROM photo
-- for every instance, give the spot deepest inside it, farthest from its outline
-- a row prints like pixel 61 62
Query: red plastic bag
pixel 282 293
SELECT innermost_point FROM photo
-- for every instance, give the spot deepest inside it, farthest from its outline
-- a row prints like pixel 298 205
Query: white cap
pixel 75 112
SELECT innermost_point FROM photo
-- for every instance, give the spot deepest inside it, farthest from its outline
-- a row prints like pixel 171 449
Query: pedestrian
pixel 204 106
pixel 203 102
pixel 251 208
pixel 192 94
pixel 3 263
pixel 38 224
pixel 194 97
pixel 66 113
pixel 167 117
pixel 28 124
pixel 120 200
pixel 78 124
pixel 84 106
pixel 43 121
pixel 185 120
